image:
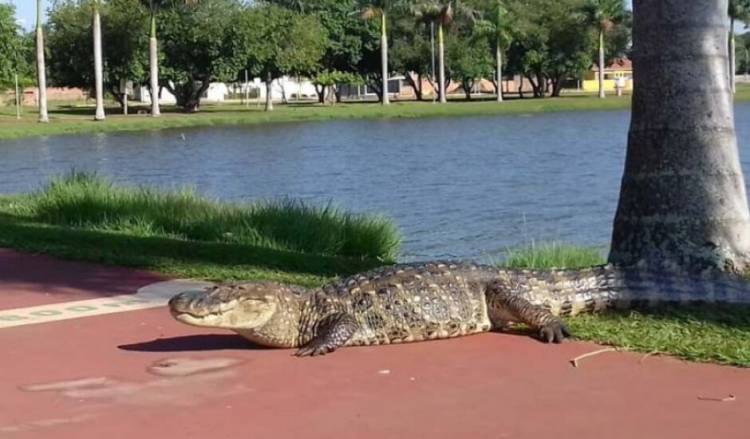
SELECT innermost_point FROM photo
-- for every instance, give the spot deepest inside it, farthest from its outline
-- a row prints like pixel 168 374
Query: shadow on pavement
pixel 207 342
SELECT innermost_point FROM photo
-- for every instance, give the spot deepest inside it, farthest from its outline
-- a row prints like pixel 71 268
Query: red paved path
pixel 487 386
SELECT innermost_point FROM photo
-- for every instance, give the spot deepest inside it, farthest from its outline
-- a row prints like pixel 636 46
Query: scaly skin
pixel 415 302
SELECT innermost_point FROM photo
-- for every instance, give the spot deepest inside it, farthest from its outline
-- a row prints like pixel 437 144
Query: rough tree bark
pixel 602 94
pixel 98 80
pixel 153 60
pixel 441 64
pixel 499 71
pixel 269 92
pixel 40 67
pixel 683 204
pixel 384 59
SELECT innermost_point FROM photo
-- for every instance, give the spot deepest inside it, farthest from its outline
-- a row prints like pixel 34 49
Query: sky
pixel 26 11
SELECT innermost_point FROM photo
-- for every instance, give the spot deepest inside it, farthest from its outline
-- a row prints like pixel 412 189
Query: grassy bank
pixel 72 119
pixel 709 333
pixel 85 217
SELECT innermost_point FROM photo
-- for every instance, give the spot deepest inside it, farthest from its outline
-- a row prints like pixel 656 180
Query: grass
pixel 706 333
pixel 78 119
pixel 83 216
pixel 552 255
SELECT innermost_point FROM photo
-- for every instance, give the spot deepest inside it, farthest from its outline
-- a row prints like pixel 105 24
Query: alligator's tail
pixel 570 293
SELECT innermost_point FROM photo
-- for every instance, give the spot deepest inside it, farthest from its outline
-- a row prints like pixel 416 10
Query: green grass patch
pixel 553 255
pixel 706 333
pixel 86 217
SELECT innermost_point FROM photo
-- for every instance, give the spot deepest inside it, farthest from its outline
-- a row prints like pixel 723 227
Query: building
pixel 620 68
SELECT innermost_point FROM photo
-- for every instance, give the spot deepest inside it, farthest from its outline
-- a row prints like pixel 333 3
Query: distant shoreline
pixel 76 120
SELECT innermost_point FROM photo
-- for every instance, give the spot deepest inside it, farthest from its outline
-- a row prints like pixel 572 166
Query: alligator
pixel 436 300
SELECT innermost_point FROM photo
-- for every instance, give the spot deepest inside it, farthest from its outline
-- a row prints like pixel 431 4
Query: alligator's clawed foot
pixel 555 331
pixel 314 350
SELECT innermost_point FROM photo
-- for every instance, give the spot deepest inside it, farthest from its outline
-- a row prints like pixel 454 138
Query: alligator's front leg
pixel 506 305
pixel 332 333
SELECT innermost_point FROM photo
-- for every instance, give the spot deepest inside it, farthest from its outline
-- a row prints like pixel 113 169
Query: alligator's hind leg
pixel 332 333
pixel 505 304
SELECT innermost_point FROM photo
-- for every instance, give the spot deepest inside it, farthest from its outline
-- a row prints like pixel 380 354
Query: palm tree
pixel 682 203
pixel 153 51
pixel 98 73
pixel 428 12
pixel 499 31
pixel 373 9
pixel 739 10
pixel 603 14
pixel 441 13
pixel 41 72
pixel 153 58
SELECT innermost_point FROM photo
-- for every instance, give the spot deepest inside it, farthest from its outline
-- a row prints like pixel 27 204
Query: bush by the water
pixel 90 201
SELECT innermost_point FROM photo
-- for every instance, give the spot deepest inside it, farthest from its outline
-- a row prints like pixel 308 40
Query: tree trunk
pixel 320 90
pixel 441 64
pixel 153 59
pixel 415 84
pixel 602 95
pixel 467 86
pixel 98 80
pixel 384 60
pixel 732 57
pixel 269 92
pixel 41 71
pixel 499 70
pixel 682 204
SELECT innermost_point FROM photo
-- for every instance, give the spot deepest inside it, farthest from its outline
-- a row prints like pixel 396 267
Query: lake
pixel 457 188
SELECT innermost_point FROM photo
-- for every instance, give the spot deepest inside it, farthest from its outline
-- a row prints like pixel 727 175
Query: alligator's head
pixel 240 307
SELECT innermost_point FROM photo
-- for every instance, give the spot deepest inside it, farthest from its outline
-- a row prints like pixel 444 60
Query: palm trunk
pixel 41 72
pixel 732 57
pixel 682 203
pixel 269 92
pixel 499 59
pixel 153 59
pixel 441 63
pixel 98 80
pixel 602 95
pixel 384 59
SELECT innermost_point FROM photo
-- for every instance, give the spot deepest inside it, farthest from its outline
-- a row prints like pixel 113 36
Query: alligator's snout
pixel 199 304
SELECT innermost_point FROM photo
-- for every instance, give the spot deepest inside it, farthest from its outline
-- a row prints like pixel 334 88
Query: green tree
pixel 548 46
pixel 124 49
pixel 683 203
pixel 603 15
pixel 742 54
pixel 201 43
pixel 469 60
pixel 10 46
pixel 410 51
pixel 349 38
pixel 282 42
pixel 739 10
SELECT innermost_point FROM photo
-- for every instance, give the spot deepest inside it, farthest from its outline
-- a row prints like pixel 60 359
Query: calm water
pixel 458 188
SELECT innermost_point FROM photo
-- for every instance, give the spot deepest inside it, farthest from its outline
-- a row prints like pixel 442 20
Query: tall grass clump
pixel 89 201
pixel 553 255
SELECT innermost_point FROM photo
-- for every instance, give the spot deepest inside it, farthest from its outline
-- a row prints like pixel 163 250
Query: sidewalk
pixel 140 374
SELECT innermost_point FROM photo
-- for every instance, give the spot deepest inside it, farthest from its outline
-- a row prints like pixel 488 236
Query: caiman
pixel 416 302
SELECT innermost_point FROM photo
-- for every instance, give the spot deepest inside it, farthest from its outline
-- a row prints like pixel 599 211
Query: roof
pixel 618 64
